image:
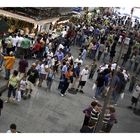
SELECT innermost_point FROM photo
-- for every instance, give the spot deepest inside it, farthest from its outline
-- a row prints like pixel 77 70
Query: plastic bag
pixel 18 96
pixel 94 86
pixel 122 95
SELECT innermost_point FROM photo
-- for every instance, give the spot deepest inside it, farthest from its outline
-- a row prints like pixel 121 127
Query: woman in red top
pixel 37 49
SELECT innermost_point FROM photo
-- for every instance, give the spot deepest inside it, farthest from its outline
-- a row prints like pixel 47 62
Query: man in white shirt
pixel 83 78
pixel 64 32
pixel 79 60
pixel 19 40
pixel 14 42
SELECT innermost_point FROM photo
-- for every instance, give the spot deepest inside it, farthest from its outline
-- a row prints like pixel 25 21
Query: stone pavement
pixel 49 112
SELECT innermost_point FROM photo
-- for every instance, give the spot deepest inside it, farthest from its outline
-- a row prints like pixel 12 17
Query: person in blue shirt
pixel 63 71
pixel 60 55
pixel 84 54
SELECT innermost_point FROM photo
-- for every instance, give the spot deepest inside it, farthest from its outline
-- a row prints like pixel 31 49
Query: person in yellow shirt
pixel 9 63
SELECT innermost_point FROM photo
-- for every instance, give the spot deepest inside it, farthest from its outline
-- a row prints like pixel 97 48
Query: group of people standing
pixel 97 37
pixel 92 114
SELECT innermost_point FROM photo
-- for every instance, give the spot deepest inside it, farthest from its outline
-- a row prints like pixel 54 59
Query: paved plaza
pixel 49 112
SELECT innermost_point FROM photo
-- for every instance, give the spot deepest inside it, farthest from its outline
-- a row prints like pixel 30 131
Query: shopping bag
pixel 18 96
pixel 122 95
pixel 94 86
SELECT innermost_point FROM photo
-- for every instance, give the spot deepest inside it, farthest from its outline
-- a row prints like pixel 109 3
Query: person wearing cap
pixel 83 78
pixel 9 64
pixel 33 76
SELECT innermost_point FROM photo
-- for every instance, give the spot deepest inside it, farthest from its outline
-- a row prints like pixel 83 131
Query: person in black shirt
pixel 100 84
pixel 33 75
pixel 107 70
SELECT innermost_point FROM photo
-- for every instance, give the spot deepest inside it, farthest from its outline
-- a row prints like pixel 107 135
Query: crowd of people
pixel 98 38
